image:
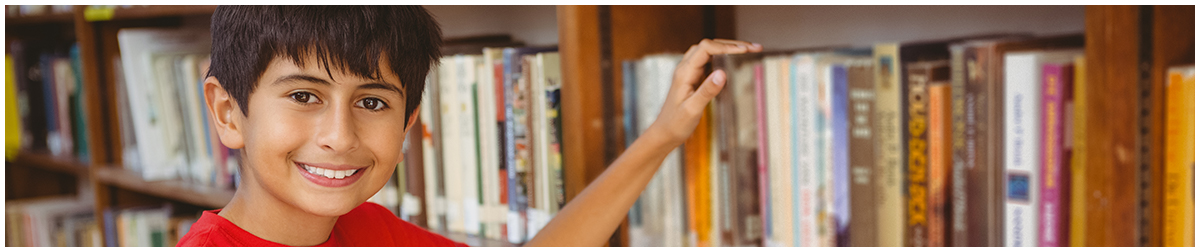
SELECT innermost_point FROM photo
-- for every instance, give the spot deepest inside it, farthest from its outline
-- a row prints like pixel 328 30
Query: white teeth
pixel 339 174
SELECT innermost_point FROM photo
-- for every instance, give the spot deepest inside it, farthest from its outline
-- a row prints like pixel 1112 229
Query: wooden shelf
pixel 474 241
pixel 145 12
pixel 68 165
pixel 199 195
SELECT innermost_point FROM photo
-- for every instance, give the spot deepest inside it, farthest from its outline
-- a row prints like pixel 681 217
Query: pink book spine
pixel 1051 206
pixel 760 111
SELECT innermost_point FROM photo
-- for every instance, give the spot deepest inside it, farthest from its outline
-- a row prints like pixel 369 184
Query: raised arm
pixel 590 218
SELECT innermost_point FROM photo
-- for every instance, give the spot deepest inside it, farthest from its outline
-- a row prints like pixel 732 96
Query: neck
pixel 266 217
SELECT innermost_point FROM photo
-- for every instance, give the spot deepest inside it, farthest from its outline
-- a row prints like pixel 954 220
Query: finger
pixel 691 67
pixel 707 91
pixel 753 47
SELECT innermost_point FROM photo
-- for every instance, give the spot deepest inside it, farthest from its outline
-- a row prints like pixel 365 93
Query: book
pixel 919 76
pixel 939 154
pixel 890 162
pixel 155 98
pixel 489 142
pixel 659 210
pixel 431 152
pixel 1022 98
pixel 1078 226
pixel 516 141
pixel 737 129
pixel 805 142
pixel 1179 204
pixel 861 97
pixel 1057 82
pixel 779 186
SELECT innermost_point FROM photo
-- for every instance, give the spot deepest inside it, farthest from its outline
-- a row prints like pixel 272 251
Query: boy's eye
pixel 373 104
pixel 304 97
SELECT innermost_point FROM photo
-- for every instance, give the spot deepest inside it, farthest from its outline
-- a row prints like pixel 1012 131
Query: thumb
pixel 707 90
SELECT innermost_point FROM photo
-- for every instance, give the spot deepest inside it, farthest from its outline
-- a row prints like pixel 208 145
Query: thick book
pixel 863 145
pixel 738 134
pixel 890 160
pixel 487 142
pixel 1022 100
pixel 1057 81
pixel 805 143
pixel 779 186
pixel 919 76
pixel 1179 203
pixel 516 141
pixel 452 149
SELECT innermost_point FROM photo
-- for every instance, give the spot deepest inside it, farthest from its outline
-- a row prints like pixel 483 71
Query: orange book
pixel 1179 216
pixel 696 164
pixel 939 160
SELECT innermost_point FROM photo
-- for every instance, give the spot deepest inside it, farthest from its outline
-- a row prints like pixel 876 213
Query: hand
pixel 685 101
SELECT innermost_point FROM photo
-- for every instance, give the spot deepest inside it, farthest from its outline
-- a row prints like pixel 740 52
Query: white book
pixel 489 143
pixel 1022 129
pixel 779 164
pixel 155 114
pixel 200 161
pixel 805 152
pixel 889 194
pixel 539 140
pixel 1022 98
pixel 451 145
pixel 428 153
pixel 468 149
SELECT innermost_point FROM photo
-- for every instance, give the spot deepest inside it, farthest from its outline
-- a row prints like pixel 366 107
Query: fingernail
pixel 741 46
pixel 756 45
pixel 719 78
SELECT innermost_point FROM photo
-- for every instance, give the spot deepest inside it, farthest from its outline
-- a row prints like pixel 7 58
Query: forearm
pixel 591 217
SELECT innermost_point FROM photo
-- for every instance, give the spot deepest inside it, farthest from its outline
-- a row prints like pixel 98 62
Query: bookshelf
pixel 1119 39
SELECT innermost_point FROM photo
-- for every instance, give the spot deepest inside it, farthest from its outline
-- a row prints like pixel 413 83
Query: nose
pixel 336 130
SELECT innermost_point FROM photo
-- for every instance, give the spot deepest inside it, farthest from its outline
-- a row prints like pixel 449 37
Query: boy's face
pixel 321 144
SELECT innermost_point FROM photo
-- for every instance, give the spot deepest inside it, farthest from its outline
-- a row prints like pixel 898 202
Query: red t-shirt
pixel 368 225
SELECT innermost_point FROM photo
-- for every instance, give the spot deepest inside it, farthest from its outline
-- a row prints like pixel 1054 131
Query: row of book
pixel 165 131
pixel 955 142
pixel 45 108
pixel 60 221
pixel 489 144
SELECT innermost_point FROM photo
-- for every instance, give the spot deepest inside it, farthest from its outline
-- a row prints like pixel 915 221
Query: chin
pixel 330 208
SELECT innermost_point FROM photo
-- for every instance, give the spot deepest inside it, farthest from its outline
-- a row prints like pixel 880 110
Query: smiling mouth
pixel 329 173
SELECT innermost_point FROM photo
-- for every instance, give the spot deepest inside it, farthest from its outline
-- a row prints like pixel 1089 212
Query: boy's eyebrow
pixel 313 79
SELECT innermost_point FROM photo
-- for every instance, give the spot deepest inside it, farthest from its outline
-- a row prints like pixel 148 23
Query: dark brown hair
pixel 352 38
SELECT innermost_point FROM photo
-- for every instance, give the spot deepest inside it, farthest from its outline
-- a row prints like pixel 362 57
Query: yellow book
pixel 1179 215
pixel 1078 225
pixel 12 120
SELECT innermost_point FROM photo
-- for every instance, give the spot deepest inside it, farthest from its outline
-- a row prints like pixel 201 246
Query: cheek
pixel 385 140
pixel 274 137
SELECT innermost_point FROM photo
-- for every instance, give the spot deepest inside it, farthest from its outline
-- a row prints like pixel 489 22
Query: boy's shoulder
pixel 371 224
pixel 368 224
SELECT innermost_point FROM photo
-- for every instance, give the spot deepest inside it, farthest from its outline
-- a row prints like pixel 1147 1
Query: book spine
pixel 1055 79
pixel 779 166
pixel 764 202
pixel 516 202
pixel 939 160
pixel 501 210
pixel 486 138
pixel 974 207
pixel 824 154
pixel 917 109
pixel 1179 197
pixel 468 137
pixel 863 140
pixel 1020 154
pixel 1079 194
pixel 430 151
pixel 890 162
pixel 840 155
pixel 957 221
pixel 451 143
pixel 804 110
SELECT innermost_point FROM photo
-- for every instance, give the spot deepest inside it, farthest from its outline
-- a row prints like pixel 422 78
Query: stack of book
pixel 60 221
pixel 490 144
pixel 45 91
pixel 164 122
pixel 954 142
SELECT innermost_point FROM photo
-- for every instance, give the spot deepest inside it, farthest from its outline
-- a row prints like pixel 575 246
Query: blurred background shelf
pixel 199 195
pixel 107 13
pixel 60 164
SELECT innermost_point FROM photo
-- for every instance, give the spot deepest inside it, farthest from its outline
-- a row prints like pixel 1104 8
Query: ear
pixel 412 119
pixel 223 113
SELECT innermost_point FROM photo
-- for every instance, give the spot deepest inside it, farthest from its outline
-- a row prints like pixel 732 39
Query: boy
pixel 310 95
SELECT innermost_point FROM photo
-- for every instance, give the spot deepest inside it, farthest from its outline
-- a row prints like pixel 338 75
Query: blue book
pixel 841 155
